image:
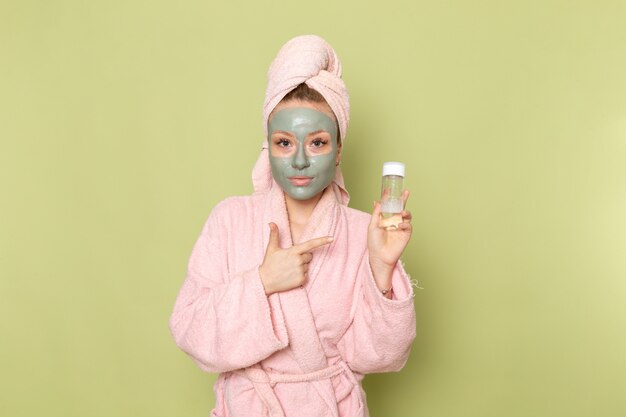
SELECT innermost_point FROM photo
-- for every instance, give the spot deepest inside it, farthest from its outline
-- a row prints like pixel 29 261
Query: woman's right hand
pixel 285 269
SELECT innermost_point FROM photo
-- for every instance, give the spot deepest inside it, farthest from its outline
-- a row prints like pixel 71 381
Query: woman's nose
pixel 300 160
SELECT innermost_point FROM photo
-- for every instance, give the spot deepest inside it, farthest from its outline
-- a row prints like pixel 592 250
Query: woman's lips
pixel 300 181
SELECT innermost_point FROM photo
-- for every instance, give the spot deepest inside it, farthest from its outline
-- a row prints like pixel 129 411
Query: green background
pixel 122 123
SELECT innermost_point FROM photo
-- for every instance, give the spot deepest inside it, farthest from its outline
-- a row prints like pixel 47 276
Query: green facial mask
pixel 303 151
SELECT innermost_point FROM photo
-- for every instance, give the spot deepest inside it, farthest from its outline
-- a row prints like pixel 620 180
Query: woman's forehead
pixel 302 121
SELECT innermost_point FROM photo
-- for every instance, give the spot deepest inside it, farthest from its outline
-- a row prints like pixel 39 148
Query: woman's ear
pixel 338 158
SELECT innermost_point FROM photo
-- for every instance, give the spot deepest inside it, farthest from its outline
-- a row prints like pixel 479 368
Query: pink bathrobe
pixel 302 352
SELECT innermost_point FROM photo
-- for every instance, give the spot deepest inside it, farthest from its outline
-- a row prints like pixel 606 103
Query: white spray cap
pixel 393 168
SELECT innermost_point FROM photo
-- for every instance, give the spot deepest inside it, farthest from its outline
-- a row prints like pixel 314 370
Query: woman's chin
pixel 304 195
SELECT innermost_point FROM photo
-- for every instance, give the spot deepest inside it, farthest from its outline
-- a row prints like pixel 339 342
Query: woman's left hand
pixel 386 246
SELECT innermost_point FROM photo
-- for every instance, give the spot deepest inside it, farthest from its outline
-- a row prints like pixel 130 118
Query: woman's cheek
pixel 323 168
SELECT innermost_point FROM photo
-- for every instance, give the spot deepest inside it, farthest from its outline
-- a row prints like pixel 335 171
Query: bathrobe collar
pixel 323 222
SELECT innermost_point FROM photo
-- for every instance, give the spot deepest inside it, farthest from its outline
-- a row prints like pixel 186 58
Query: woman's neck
pixel 299 212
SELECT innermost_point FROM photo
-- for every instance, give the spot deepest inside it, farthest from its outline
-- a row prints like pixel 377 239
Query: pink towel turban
pixel 311 60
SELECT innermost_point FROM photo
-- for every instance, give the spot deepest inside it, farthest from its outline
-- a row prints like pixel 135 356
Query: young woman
pixel 291 295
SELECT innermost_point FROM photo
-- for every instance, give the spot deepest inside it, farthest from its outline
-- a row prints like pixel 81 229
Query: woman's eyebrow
pixel 317 132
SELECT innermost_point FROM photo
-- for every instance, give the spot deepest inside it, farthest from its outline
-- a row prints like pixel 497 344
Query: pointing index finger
pixel 309 245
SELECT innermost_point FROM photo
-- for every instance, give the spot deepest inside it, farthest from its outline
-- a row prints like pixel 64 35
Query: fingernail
pixel 330 239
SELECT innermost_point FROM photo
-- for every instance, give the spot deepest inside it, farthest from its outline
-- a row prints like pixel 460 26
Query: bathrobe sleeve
pixel 382 330
pixel 223 321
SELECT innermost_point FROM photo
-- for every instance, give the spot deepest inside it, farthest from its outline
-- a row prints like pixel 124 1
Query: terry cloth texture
pixel 301 352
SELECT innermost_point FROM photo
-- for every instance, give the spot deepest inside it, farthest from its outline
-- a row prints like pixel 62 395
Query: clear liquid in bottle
pixel 391 202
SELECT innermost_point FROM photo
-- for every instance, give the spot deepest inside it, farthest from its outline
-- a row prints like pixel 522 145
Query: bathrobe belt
pixel 264 382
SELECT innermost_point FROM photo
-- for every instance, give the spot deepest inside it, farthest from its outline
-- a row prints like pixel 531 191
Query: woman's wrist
pixel 266 284
pixel 382 275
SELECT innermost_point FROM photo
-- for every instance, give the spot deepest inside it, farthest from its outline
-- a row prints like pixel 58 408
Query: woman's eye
pixel 318 143
pixel 283 143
